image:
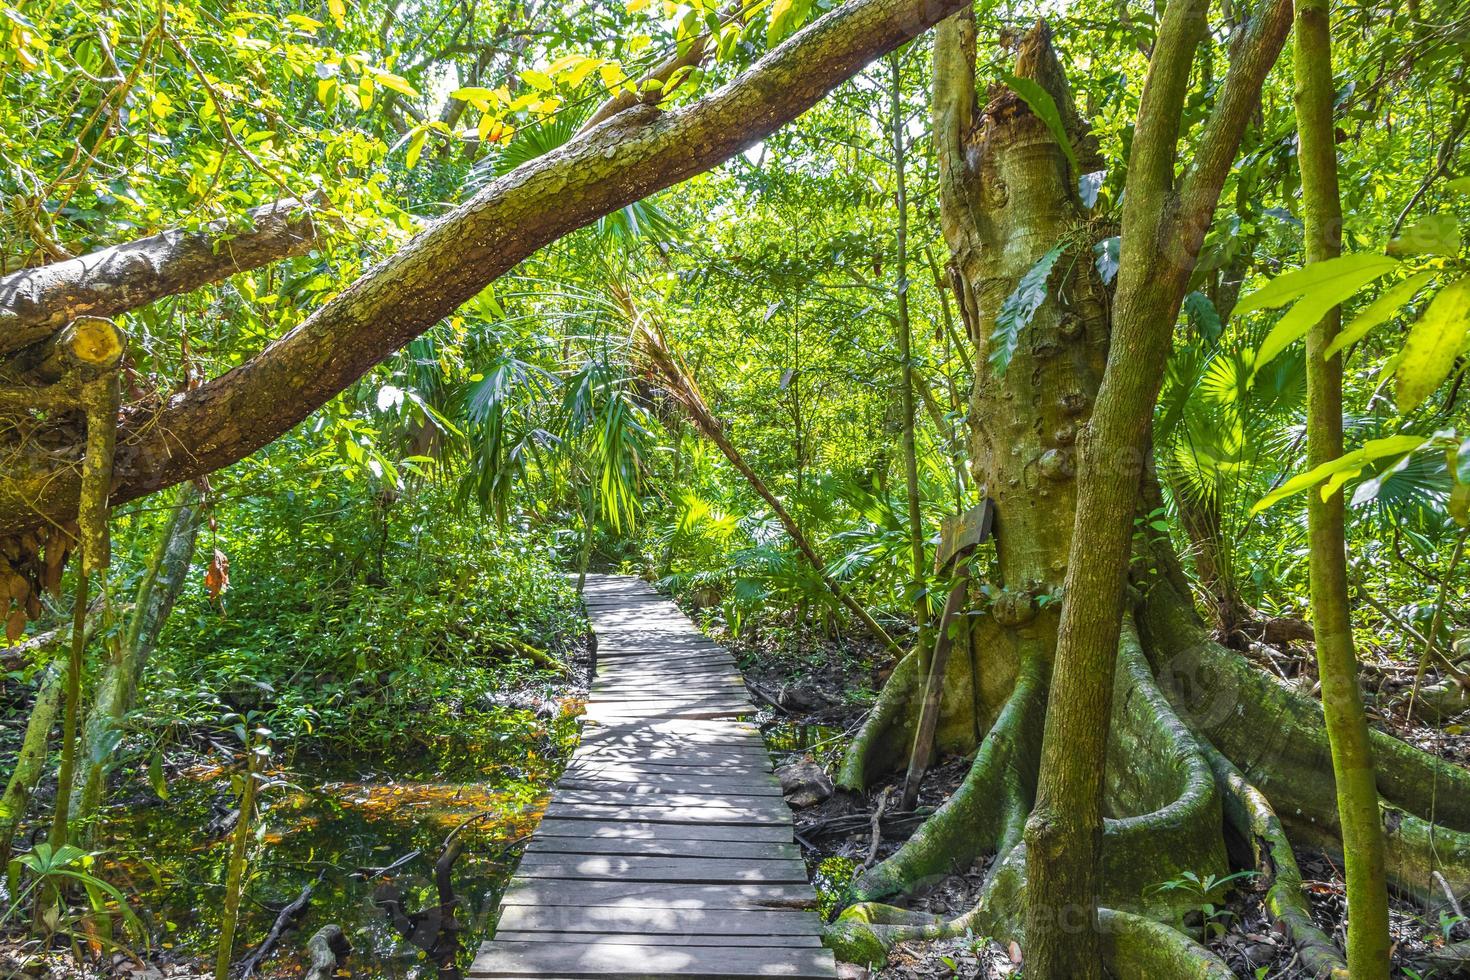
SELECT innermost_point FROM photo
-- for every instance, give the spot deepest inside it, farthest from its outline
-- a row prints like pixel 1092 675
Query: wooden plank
pixel 624 796
pixel 614 829
pixel 660 847
pixel 669 767
pixel 593 961
pixel 681 870
pixel 604 812
pixel 547 892
pixel 664 783
pixel 666 939
pixel 658 922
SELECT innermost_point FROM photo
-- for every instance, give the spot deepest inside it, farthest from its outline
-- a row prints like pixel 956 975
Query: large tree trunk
pixel 1197 738
pixel 623 160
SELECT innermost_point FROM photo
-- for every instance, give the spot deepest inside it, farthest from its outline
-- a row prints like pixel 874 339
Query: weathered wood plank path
pixel 666 850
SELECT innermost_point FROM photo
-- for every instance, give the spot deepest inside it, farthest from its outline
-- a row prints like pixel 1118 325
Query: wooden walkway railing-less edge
pixel 666 850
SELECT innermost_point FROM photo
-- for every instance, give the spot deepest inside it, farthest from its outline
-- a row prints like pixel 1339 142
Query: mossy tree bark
pixel 1342 702
pixel 1184 757
pixel 157 592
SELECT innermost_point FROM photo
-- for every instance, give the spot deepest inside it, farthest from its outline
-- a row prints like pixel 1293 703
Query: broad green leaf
pixel 1457 461
pixel 478 96
pixel 396 83
pixel 1018 309
pixel 1460 185
pixel 1350 464
pixel 1437 234
pixel 415 147
pixel 537 80
pixel 776 23
pixel 577 75
pixel 1378 311
pixel 1204 316
pixel 1361 267
pixel 1108 259
pixel 1045 108
pixel 155 776
pixel 326 92
pixel 1433 344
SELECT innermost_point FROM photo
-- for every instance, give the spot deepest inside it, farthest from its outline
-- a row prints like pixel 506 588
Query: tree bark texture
pixel 1368 941
pixel 116 690
pixel 36 303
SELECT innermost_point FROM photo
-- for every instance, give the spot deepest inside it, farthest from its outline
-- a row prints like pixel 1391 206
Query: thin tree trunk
pixel 663 361
pixel 1342 701
pixel 100 398
pixel 1164 222
pixel 905 353
pixel 923 747
pixel 32 757
pixel 157 593
pixel 235 868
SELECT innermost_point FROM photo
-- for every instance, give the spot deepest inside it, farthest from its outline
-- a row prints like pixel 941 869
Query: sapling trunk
pixel 1342 701
pixel 235 869
pixel 31 758
pixel 66 768
pixel 906 356
pixel 669 366
pixel 157 592
pixel 100 400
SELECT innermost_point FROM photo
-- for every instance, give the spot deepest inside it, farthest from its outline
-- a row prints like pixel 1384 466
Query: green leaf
pixel 1433 344
pixel 1343 468
pixel 338 11
pixel 475 95
pixel 1291 286
pixel 1317 292
pixel 155 776
pixel 415 147
pixel 1378 311
pixel 1204 316
pixel 1437 234
pixel 1018 309
pixel 1460 185
pixel 1045 108
pixel 537 80
pixel 396 83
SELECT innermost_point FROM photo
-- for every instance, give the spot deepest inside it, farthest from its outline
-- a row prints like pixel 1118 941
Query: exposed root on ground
pixel 1204 751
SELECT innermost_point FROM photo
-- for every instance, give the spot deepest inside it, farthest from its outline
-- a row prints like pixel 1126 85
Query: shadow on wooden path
pixel 667 850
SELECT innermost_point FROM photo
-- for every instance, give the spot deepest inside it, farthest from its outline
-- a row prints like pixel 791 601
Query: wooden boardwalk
pixel 666 850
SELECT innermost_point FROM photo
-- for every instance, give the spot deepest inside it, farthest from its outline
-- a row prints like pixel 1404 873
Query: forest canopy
pixel 1058 408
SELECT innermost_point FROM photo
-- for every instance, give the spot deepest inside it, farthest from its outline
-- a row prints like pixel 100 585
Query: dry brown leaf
pixel 15 624
pixel 217 575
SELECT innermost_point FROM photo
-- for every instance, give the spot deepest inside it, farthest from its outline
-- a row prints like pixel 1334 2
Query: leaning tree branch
pixel 35 303
pixel 622 161
pixel 1240 95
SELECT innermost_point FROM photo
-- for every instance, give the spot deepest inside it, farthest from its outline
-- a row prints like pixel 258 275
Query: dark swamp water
pixel 336 829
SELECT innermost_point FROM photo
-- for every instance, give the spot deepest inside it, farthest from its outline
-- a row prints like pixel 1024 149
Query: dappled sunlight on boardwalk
pixel 666 850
